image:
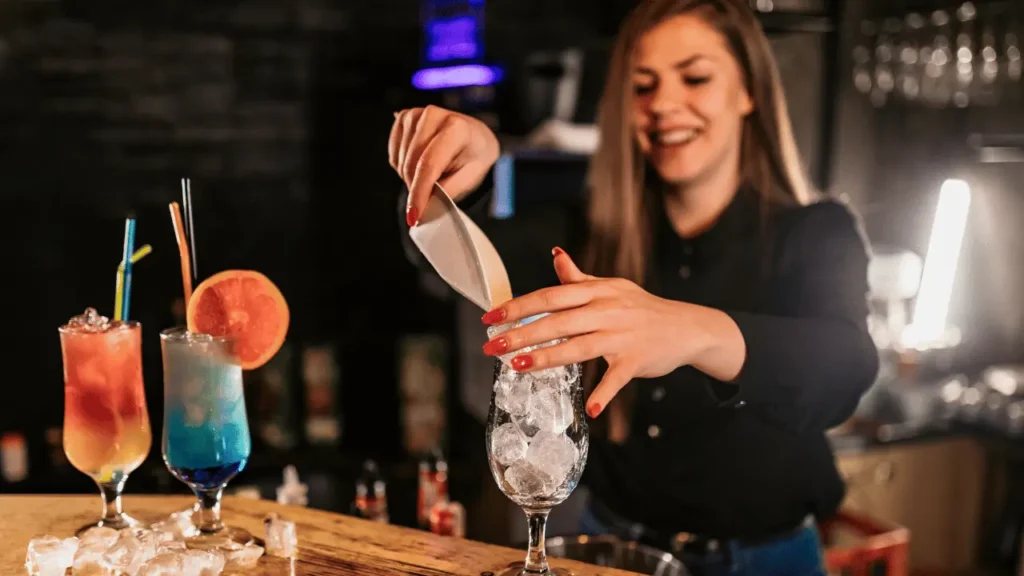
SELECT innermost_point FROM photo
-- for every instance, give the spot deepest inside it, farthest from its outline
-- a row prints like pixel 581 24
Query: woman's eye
pixel 696 80
pixel 641 89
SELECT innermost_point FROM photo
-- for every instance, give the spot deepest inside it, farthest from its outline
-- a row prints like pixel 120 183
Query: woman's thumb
pixel 566 269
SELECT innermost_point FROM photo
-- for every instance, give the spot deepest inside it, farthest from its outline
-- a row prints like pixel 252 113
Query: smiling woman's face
pixel 689 100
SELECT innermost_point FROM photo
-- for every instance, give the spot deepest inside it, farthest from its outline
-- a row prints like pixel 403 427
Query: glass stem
pixel 536 557
pixel 209 510
pixel 111 493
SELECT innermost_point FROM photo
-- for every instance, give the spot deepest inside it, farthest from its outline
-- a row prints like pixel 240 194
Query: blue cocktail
pixel 206 438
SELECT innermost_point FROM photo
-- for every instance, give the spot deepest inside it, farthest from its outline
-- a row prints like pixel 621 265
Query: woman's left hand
pixel 637 333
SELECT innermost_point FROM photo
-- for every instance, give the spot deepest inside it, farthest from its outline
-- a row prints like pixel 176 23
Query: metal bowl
pixel 612 552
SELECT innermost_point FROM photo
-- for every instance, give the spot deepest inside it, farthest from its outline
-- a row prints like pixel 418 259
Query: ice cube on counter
pixel 281 539
pixel 245 557
pixel 50 556
pixel 202 563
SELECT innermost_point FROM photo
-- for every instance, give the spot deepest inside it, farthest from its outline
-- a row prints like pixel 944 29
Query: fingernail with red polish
pixel 556 251
pixel 522 362
pixel 412 216
pixel 496 347
pixel 594 410
pixel 494 316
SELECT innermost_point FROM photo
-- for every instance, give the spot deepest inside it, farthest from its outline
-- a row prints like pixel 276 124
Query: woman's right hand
pixel 431 144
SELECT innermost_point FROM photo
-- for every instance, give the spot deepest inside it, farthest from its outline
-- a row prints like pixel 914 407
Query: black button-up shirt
pixel 732 460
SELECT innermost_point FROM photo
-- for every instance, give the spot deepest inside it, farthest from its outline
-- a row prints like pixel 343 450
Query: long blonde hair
pixel 619 199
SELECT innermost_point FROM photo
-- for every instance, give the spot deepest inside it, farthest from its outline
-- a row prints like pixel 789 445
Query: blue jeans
pixel 797 555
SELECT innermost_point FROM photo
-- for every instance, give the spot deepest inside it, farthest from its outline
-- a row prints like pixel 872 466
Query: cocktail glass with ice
pixel 106 425
pixel 206 439
pixel 537 443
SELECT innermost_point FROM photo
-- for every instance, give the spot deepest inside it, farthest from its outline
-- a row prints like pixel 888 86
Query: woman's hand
pixel 431 144
pixel 637 333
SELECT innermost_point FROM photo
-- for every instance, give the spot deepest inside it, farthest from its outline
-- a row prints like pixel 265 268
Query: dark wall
pixel 105 106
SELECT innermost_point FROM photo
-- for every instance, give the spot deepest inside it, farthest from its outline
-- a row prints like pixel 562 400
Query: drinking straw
pixel 179 235
pixel 129 249
pixel 141 253
pixel 119 291
pixel 190 228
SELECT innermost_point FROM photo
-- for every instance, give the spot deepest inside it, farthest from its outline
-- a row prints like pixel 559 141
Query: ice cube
pixel 50 556
pixel 165 564
pixel 550 410
pixel 559 377
pixel 525 425
pixel 245 557
pixel 171 547
pixel 89 321
pixel 281 539
pixel 89 557
pixel 130 552
pixel 100 535
pixel 528 481
pixel 553 454
pixel 195 414
pixel 512 392
pixel 202 563
pixel 177 526
pixel 508 444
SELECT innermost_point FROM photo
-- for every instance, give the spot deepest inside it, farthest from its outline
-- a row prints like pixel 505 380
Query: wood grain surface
pixel 329 544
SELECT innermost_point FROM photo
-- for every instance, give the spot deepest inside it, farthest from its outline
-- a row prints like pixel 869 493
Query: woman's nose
pixel 667 99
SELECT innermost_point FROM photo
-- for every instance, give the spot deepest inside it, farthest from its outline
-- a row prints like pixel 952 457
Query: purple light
pixel 452 39
pixel 456 76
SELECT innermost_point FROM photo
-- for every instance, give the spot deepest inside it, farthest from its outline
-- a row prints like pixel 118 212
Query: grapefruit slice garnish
pixel 243 305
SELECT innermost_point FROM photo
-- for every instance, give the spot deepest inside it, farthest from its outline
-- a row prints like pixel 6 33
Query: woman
pixel 725 312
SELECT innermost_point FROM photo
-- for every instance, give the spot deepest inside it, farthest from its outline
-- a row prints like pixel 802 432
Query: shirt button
pixel 657 394
pixel 687 249
pixel 741 404
pixel 684 272
pixel 653 431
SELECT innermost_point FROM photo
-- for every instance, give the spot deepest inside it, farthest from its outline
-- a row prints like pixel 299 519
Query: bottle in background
pixel 371 494
pixel 292 492
pixel 13 457
pixel 448 519
pixel 322 378
pixel 433 485
pixel 423 378
pixel 270 395
pixel 55 445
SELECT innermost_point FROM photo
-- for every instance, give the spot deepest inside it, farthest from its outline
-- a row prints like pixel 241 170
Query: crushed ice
pixel 159 550
pixel 530 449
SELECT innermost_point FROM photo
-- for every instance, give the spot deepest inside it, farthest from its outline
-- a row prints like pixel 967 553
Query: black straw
pixel 190 230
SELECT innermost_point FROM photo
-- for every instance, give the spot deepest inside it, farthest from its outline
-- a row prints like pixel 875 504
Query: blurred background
pixel 912 111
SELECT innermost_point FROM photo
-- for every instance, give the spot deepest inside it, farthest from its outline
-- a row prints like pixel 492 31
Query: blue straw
pixel 129 249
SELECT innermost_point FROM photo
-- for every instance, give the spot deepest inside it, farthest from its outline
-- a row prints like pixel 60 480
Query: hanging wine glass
pixel 908 81
pixel 935 85
pixel 987 88
pixel 885 80
pixel 863 80
pixel 965 14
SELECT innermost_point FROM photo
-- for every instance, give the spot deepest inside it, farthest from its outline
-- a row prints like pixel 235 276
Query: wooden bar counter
pixel 329 544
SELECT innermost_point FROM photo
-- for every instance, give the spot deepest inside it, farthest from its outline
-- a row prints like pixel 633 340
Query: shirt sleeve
pixel 808 369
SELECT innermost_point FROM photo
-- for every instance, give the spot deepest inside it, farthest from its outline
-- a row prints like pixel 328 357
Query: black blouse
pixel 747 459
